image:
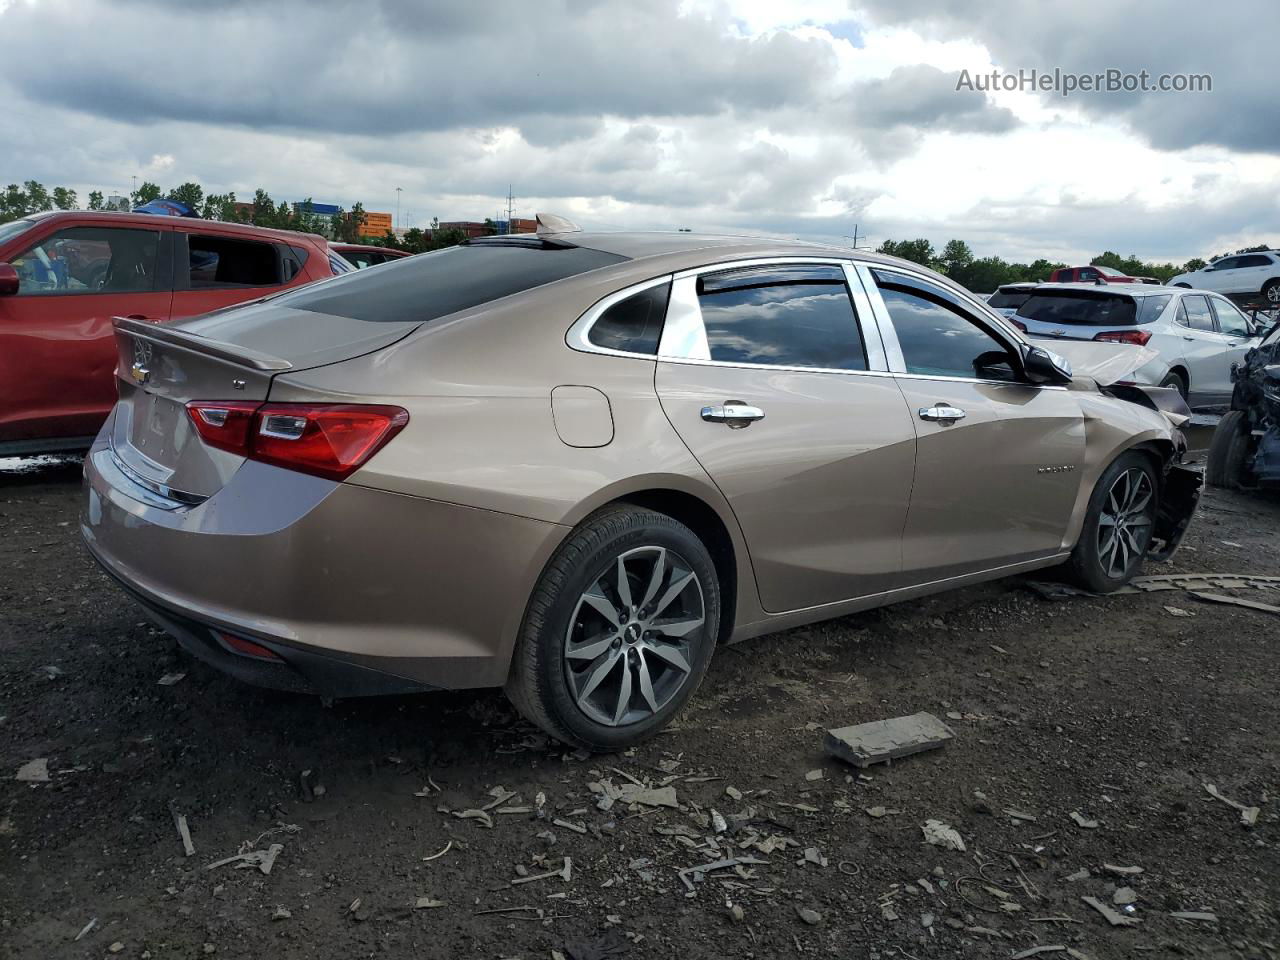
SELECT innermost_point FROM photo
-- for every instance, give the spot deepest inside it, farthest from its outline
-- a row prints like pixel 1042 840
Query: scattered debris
pixel 34 771
pixel 1036 951
pixel 815 774
pixel 736 914
pixel 1124 896
pixel 85 929
pixel 481 816
pixel 718 823
pixel 733 793
pixel 1235 601
pixel 811 917
pixel 180 821
pixel 877 812
pixel 1178 612
pixel 436 856
pixel 939 834
pixel 575 827
pixel 1019 815
pixel 311 788
pixel 1203 916
pixel 426 903
pixel 814 855
pixel 882 741
pixel 689 874
pixel 1122 871
pixel 1081 874
pixel 1055 591
pixel 565 873
pixel 281 913
pixel 262 859
pixel 1248 815
pixel 116 947
pixel 1112 917
pixel 169 679
pixel 1082 821
pixel 649 796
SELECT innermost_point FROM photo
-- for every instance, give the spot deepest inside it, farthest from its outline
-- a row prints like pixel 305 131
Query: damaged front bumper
pixel 1178 501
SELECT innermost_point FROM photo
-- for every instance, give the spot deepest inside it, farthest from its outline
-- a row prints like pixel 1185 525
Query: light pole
pixel 398 189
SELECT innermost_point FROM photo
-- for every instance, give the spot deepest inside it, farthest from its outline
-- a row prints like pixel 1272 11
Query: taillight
pixel 1136 337
pixel 223 425
pixel 327 440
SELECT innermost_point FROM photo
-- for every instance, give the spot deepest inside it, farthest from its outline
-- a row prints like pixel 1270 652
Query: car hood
pixel 1105 363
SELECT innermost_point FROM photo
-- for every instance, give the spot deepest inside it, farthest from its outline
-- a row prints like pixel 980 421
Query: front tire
pixel 1117 529
pixel 619 631
pixel 1228 451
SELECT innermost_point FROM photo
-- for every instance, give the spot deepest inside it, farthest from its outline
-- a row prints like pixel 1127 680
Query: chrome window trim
pixel 578 336
pixel 895 361
pixel 985 313
pixel 877 354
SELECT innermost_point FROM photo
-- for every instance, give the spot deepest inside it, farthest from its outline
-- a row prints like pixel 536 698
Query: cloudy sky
pixel 800 118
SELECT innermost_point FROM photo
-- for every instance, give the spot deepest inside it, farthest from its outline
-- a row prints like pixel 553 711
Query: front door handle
pixel 735 413
pixel 1185 337
pixel 139 316
pixel 942 412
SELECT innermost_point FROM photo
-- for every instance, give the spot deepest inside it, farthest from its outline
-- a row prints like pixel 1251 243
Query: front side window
pixel 90 260
pixel 230 262
pixel 791 315
pixel 1088 273
pixel 937 338
pixel 633 325
pixel 1230 320
pixel 1194 313
pixel 1226 263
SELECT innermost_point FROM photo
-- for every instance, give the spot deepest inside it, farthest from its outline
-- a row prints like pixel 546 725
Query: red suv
pixel 63 276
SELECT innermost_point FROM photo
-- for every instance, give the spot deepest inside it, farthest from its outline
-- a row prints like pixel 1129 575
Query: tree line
pixel 980 274
pixel 985 274
pixel 346 226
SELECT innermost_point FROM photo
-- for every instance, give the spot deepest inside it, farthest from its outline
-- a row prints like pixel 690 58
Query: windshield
pixel 1107 271
pixel 1008 298
pixel 1082 307
pixel 10 230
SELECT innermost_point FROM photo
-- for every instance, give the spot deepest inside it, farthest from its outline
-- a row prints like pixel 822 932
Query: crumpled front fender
pixel 1178 502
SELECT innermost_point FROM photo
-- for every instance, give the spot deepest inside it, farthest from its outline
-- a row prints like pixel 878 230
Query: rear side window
pixel 633 325
pixel 783 315
pixel 230 262
pixel 1194 313
pixel 90 260
pixel 1012 299
pixel 339 266
pixel 432 285
pixel 1150 308
pixel 1080 307
pixel 1254 260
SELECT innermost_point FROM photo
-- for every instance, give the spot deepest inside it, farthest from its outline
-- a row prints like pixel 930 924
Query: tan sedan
pixel 570 464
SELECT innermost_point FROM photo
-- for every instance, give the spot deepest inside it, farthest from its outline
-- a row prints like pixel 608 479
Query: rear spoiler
pixel 214 348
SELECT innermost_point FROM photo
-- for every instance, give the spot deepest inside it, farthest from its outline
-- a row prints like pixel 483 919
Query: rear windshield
pixel 1080 307
pixel 1011 298
pixel 432 285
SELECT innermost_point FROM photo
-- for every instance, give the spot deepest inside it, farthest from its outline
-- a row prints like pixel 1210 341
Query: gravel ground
pixel 1111 711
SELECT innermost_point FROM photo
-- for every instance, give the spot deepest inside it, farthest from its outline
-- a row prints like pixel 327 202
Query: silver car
pixel 1200 335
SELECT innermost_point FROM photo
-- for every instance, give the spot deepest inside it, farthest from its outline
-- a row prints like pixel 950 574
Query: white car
pixel 1244 275
pixel 1199 334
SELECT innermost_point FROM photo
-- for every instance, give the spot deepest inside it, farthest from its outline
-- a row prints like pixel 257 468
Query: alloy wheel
pixel 1124 526
pixel 630 644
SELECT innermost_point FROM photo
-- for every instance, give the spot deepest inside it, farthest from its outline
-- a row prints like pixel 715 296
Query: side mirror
pixel 8 280
pixel 1044 366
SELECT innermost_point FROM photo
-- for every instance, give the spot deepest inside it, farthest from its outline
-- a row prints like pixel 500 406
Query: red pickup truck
pixel 1094 273
pixel 64 275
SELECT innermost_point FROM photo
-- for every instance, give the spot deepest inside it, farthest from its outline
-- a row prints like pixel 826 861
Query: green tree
pixel 95 200
pixel 38 198
pixel 956 258
pixel 64 199
pixel 219 206
pixel 13 203
pixel 917 251
pixel 145 194
pixel 192 194
pixel 1192 265
pixel 415 241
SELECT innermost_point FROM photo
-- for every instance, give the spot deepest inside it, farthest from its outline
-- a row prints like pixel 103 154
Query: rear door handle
pixel 1185 337
pixel 942 412
pixel 734 413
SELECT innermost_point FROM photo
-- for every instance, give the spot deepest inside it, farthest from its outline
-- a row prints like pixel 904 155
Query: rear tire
pixel 1118 526
pixel 1177 381
pixel 1227 451
pixel 1271 292
pixel 612 646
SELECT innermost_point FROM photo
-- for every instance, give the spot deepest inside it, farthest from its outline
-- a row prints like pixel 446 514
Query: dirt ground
pixel 1115 710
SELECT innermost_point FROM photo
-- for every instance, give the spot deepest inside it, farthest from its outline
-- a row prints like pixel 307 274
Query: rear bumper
pixel 357 590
